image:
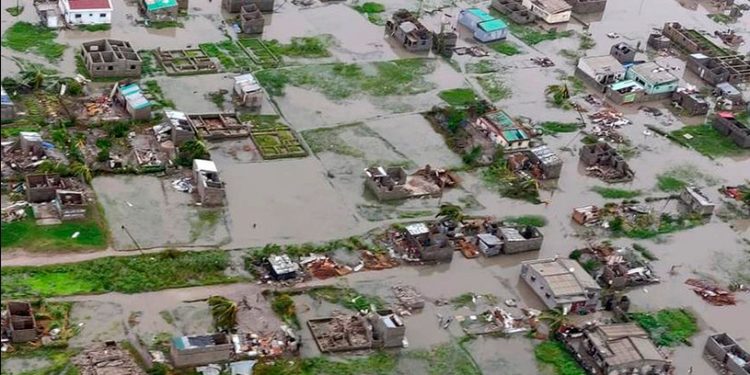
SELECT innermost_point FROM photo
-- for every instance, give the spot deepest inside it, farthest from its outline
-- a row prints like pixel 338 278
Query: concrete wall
pixel 512 247
pixel 587 6
pixel 538 285
pixel 514 10
pixel 201 356
pixel 546 16
pixel 731 129
pixel 88 17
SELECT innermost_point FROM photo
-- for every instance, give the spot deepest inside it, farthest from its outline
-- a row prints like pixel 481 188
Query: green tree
pixel 554 319
pixel 224 312
pixel 559 93
pixel 451 212
pixel 82 170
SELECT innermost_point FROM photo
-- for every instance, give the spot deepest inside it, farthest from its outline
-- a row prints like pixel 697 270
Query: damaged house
pixel 623 52
pixel 176 129
pixel 43 187
pixel 602 160
pixel 393 183
pixel 209 187
pixel 406 29
pixel 514 10
pixel 251 19
pixel 212 126
pixel 106 359
pixel 159 10
pixel 551 11
pixel 281 267
pixel 503 131
pixel 388 329
pixel 729 126
pixel 131 97
pixel 726 355
pixel 198 350
pixel 562 283
pixel 234 6
pixel 21 323
pixel 719 69
pixel 622 348
pixel 587 6
pixel 586 215
pixel 484 27
pixel 620 267
pixel 341 333
pixel 70 205
pixel 108 58
pixel 696 201
pixel 508 239
pixel 692 102
pixel 248 91
pixel 690 40
pixel 540 162
pixel 427 244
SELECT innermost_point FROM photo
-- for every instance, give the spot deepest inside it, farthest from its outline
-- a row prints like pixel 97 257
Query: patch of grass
pixel 346 297
pixel 482 67
pixel 449 358
pixel 15 11
pixel 528 34
pixel 645 252
pixel 165 24
pixel 494 87
pixel 527 220
pixel 36 39
pixel 586 42
pixel 328 139
pixel 647 226
pixel 554 354
pixel 379 363
pixel 722 18
pixel 27 235
pixel 554 127
pixel 370 7
pixel 458 97
pixel 339 81
pixel 668 327
pixel 274 139
pixel 308 47
pixel 124 274
pixel 283 306
pixel 506 48
pixel 706 140
pixel 676 178
pixel 508 184
pixel 670 184
pixel 414 214
pixel 151 87
pixel 94 28
pixel 614 193
pixel 218 97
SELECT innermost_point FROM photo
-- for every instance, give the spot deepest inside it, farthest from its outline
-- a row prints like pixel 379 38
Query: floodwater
pixel 295 201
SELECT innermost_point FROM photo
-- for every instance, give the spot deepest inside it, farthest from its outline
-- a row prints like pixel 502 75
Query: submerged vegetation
pixel 169 269
pixel 614 193
pixel 554 127
pixel 308 47
pixel 677 178
pixel 554 354
pixel 340 81
pixel 505 48
pixel 379 363
pixel 494 87
pixel 26 234
pixel 706 140
pixel 527 220
pixel 458 97
pixel 283 305
pixel 499 176
pixel 373 11
pixel 347 298
pixel 36 39
pixel 668 327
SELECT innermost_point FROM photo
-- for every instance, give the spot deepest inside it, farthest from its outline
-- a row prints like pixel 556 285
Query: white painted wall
pixel 85 16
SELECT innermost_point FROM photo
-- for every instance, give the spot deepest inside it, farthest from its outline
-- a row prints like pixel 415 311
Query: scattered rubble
pixel 712 293
pixel 408 296
pixel 107 358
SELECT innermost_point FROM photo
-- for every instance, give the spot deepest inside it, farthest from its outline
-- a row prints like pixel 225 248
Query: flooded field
pixel 349 126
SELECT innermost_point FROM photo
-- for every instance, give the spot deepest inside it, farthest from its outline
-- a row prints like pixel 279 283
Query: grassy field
pixel 125 274
pixel 555 355
pixel 346 297
pixel 340 81
pixel 39 40
pixel 668 327
pixel 27 235
pixel 373 11
pixel 379 363
pixel 706 140
pixel 554 127
pixel 458 97
pixel 614 193
pixel 506 48
pixel 494 87
pixel 308 47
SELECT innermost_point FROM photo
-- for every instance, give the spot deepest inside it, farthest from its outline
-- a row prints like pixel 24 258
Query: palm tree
pixel 554 319
pixel 224 312
pixel 82 170
pixel 451 212
pixel 559 93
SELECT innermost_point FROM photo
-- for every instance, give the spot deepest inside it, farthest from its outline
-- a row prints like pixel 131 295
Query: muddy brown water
pixel 293 201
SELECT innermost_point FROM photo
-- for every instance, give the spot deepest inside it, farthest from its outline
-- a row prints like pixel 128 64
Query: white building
pixel 604 70
pixel 248 90
pixel 551 11
pixel 562 283
pixel 86 12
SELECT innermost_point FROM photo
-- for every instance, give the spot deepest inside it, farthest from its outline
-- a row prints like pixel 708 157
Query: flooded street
pixel 322 197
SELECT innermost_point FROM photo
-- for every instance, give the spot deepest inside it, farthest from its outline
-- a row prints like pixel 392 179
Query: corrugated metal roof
pixel 480 13
pixel 152 5
pixel 492 25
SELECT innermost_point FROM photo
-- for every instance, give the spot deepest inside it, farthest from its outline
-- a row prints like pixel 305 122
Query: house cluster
pixel 435 242
pixel 235 351
pixel 552 12
pixel 393 183
pixel 72 13
pixel 250 13
pixel 618 268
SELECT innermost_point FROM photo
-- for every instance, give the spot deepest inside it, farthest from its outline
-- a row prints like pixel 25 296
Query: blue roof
pixel 134 96
pixel 492 25
pixel 4 97
pixel 481 14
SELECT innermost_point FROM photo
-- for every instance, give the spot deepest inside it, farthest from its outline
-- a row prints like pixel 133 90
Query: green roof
pixel 623 84
pixel 152 5
pixel 514 135
pixel 492 25
pixel 481 14
pixel 501 118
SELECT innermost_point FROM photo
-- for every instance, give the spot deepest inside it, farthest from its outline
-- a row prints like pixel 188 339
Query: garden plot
pixel 230 55
pixel 275 140
pixel 154 213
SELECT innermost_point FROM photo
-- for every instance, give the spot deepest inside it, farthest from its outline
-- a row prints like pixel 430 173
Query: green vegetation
pixel 167 316
pixel 372 10
pixel 670 184
pixel 297 251
pixel 414 214
pixel 207 219
pixel 190 150
pixel 647 226
pixel 676 178
pixel 308 47
pixel 164 24
pixel 483 66
pixel 554 354
pixel 508 184
pixel 36 39
pixel 554 127
pixel 722 18
pixel 224 312
pixel 274 139
pixel 149 65
pixel 558 95
pixel 340 81
pixel 587 42
pixel 449 358
pixel 218 97
pixel 283 306
pixel 156 94
pixel 125 274
pixel 506 48
pixel 346 297
pixel 668 327
pixel 458 97
pixel 494 87
pixel 27 235
pixel 328 139
pixel 231 57
pixel 260 52
pixel 380 363
pixel 527 220
pixel 645 252
pixel 59 360
pixel 614 193
pixel 452 212
pixel 706 140
pixel 96 27
pixel 15 11
pixel 470 300
pixel 531 35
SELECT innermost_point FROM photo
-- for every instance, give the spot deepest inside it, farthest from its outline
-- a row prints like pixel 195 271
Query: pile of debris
pixel 474 51
pixel 408 297
pixel 341 332
pixel 604 162
pixel 377 261
pixel 712 293
pixel 267 346
pixel 16 211
pixel 323 267
pixel 621 267
pixel 108 359
pixel 497 320
pixel 605 122
pixel 544 62
pixel 730 38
